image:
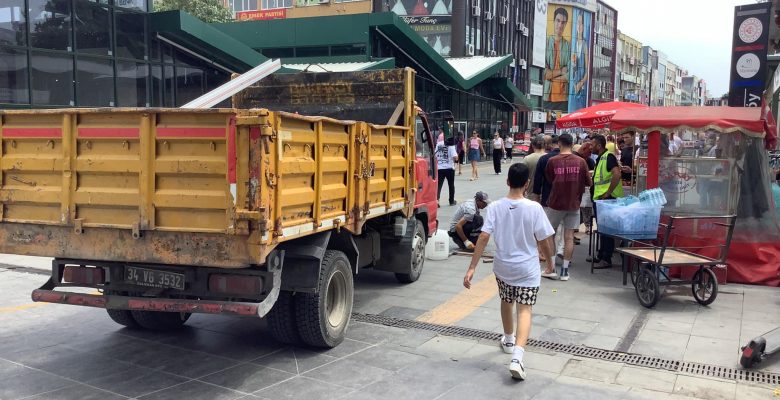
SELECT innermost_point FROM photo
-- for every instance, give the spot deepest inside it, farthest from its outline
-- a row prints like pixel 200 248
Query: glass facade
pixel 93 53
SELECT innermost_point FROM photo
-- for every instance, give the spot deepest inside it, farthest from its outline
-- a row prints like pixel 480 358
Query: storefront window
pixel 156 94
pixel 271 4
pixel 130 35
pixel 52 79
pixel 131 79
pixel 93 31
pixel 95 82
pixel 169 87
pixel 50 24
pixel 12 21
pixel 189 84
pixel 13 77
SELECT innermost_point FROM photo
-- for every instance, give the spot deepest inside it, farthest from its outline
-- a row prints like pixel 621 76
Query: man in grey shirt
pixel 537 144
pixel 466 224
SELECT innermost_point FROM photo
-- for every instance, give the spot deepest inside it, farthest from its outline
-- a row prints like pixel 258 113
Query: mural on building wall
pixel 432 19
pixel 567 58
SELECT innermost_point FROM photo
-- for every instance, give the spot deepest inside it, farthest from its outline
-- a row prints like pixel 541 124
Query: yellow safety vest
pixel 603 178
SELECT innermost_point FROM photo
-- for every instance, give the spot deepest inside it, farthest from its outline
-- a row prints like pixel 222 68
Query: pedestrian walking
pixel 475 151
pixel 569 176
pixel 515 224
pixel 446 157
pixel 606 185
pixel 460 146
pixel 537 146
pixel 509 144
pixel 466 223
pixel 498 152
pixel 586 204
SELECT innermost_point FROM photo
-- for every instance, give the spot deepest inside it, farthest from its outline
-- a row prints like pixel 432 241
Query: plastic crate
pixel 635 221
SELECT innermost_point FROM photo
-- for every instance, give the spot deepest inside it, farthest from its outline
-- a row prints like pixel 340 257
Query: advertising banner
pixel 261 15
pixel 540 33
pixel 432 19
pixel 748 55
pixel 567 58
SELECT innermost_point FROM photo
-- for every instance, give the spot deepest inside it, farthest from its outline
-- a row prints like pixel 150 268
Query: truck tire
pixel 123 317
pixel 281 319
pixel 418 256
pixel 323 316
pixel 159 320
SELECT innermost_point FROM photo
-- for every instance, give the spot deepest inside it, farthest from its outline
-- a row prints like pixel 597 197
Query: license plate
pixel 154 278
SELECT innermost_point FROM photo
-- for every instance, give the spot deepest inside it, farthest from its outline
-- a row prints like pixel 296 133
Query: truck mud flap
pixel 48 295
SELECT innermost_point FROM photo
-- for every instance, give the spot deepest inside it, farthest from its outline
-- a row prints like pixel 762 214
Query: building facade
pixel 629 64
pixel 604 54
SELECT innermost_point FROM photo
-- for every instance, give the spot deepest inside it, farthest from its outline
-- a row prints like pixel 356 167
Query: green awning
pixel 384 63
pixel 205 40
pixel 507 91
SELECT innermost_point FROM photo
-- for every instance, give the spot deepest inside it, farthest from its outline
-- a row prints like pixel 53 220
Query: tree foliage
pixel 206 10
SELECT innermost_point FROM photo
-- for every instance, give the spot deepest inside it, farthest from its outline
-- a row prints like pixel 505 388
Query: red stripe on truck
pixel 191 133
pixel 32 132
pixel 130 133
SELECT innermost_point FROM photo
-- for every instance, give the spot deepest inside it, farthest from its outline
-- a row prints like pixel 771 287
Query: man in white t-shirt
pixel 446 157
pixel 516 225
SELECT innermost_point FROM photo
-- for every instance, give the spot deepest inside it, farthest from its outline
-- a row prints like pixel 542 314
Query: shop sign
pixel 536 89
pixel 748 55
pixel 136 4
pixel 539 34
pixel 261 15
pixel 538 116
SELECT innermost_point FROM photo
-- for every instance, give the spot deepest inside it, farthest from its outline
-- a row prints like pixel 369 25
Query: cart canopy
pixel 596 116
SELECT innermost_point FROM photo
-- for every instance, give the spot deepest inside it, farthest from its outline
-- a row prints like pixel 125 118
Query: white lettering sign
pixel 540 33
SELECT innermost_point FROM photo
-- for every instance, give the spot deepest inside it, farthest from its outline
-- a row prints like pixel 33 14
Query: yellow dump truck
pixel 244 211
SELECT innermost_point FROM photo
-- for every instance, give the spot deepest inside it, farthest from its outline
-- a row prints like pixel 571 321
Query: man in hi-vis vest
pixel 606 185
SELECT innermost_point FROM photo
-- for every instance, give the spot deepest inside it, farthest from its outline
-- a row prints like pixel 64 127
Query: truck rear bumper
pixel 154 304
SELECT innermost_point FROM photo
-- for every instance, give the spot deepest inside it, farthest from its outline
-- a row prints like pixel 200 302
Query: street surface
pixel 50 351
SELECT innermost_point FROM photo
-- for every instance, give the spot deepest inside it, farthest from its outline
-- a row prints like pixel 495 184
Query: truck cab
pixel 426 202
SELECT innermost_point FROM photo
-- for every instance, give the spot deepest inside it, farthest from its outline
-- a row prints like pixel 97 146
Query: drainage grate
pixel 639 360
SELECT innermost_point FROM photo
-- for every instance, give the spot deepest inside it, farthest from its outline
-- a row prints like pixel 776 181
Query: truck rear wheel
pixel 159 320
pixel 323 316
pixel 281 319
pixel 123 317
pixel 418 256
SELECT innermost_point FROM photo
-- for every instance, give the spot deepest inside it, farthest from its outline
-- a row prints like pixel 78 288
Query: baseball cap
pixel 482 196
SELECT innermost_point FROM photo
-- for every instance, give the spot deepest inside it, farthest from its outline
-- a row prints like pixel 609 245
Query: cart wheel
pixel 751 354
pixel 647 289
pixel 636 266
pixel 705 286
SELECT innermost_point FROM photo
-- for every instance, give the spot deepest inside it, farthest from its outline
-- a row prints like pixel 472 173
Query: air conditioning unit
pixel 523 63
pixel 502 20
pixel 492 53
pixel 520 26
pixel 525 31
pixel 476 11
pixel 488 15
pixel 470 50
pixel 324 1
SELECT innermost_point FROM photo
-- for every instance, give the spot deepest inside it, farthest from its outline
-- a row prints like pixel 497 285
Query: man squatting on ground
pixel 466 222
pixel 516 224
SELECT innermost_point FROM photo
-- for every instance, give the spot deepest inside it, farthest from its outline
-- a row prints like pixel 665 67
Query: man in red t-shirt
pixel 569 175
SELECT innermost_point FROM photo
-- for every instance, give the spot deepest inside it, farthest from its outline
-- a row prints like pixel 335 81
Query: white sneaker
pixel 551 275
pixel 565 277
pixel 508 348
pixel 517 370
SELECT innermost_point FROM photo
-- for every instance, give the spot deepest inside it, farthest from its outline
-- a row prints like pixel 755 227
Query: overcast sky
pixel 694 34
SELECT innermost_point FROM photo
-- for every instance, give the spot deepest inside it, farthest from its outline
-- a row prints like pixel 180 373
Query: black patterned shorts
pixel 517 294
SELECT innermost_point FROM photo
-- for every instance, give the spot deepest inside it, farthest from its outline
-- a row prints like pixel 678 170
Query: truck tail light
pixel 236 284
pixel 84 275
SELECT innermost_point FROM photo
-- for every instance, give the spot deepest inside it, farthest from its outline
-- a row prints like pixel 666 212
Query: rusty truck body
pixel 250 210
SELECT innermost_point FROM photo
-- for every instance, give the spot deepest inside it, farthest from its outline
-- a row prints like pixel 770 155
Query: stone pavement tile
pixel 712 351
pixel 386 358
pixel 371 333
pixel 720 328
pixel 80 392
pixel 402 312
pixel 489 352
pixel 451 347
pixel 570 324
pixel 553 363
pixel 61 361
pixel 194 390
pixel 420 303
pixel 294 360
pixel 570 388
pixel 302 387
pixel 645 378
pixel 485 324
pixel 751 329
pixel 659 323
pixel 612 326
pixel 675 310
pixel 237 347
pixel 601 341
pixel 492 384
pixel 710 389
pixel 345 348
pixel 247 378
pixel 347 373
pixel 17 381
pixel 562 336
pixel 750 392
pixel 136 381
pixel 644 394
pixel 412 338
pixel 663 344
pixel 761 314
pixel 594 370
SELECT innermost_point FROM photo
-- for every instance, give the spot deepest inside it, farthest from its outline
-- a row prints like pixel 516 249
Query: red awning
pixel 667 119
pixel 596 116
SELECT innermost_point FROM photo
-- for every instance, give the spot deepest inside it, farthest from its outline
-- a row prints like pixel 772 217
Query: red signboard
pixel 260 15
